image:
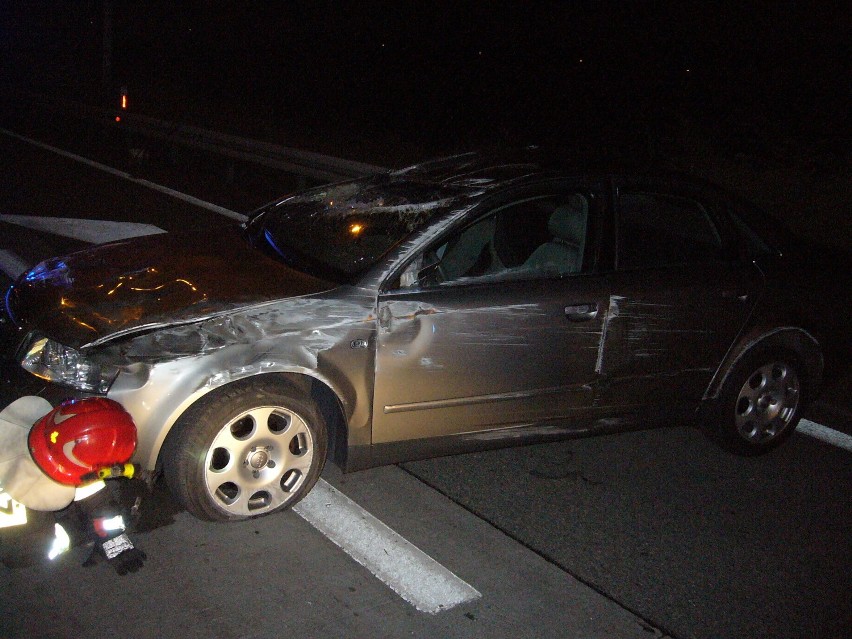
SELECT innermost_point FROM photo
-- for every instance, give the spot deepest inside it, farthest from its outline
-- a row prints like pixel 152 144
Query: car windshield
pixel 339 231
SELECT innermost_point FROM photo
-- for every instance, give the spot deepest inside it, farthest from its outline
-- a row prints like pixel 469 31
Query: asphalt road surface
pixel 651 533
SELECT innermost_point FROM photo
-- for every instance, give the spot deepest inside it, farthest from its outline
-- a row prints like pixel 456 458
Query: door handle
pixel 581 312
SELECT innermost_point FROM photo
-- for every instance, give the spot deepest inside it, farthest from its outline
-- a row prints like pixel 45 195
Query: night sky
pixel 468 71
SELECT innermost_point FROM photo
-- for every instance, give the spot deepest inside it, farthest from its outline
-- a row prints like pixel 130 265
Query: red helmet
pixel 82 436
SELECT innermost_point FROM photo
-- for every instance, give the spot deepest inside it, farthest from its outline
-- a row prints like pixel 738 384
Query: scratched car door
pixel 499 328
pixel 680 296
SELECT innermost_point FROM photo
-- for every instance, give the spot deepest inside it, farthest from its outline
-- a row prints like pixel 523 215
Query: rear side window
pixel 656 230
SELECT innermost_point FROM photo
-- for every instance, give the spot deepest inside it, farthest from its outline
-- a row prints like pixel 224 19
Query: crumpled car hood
pixel 150 281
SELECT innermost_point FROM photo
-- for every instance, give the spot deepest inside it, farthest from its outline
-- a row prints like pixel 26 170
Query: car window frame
pixel 558 186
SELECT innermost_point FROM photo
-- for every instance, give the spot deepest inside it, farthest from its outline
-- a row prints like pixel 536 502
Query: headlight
pixel 55 362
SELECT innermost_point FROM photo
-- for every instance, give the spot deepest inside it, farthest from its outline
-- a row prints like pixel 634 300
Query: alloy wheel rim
pixel 767 402
pixel 258 461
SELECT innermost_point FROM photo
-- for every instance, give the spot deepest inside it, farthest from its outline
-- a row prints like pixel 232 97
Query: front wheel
pixel 247 450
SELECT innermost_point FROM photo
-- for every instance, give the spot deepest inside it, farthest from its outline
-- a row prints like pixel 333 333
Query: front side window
pixel 533 238
pixel 657 230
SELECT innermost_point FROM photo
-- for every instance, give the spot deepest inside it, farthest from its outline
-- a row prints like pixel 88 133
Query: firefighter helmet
pixel 80 437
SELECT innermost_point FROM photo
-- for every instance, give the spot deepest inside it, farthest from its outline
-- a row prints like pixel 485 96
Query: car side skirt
pixel 363 457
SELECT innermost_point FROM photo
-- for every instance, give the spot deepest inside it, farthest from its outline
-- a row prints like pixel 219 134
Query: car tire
pixel 760 402
pixel 249 449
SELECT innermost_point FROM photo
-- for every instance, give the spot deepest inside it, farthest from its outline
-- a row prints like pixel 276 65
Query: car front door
pixel 495 326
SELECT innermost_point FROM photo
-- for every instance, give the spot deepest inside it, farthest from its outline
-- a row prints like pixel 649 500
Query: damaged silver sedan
pixel 452 306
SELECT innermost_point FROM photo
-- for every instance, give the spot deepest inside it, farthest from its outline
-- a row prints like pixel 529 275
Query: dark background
pixel 440 74
pixel 754 95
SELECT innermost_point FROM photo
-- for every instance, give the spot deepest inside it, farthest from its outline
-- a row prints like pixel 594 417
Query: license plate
pixel 12 513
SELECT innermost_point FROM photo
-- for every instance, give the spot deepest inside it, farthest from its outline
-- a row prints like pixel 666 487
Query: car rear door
pixel 498 333
pixel 680 297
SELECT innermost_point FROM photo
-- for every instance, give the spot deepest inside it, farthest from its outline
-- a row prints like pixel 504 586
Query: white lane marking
pixel 825 434
pixel 11 264
pixel 94 231
pixel 411 573
pixel 221 210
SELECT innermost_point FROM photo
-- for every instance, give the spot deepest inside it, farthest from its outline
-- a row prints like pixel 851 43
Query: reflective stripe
pixel 61 542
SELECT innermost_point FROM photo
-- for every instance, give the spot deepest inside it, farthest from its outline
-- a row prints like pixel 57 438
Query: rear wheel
pixel 249 449
pixel 760 403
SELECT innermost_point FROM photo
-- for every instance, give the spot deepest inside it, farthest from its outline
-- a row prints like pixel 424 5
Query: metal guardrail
pixel 302 163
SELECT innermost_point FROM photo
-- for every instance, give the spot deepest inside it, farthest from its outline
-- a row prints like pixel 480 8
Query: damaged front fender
pixel 165 371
